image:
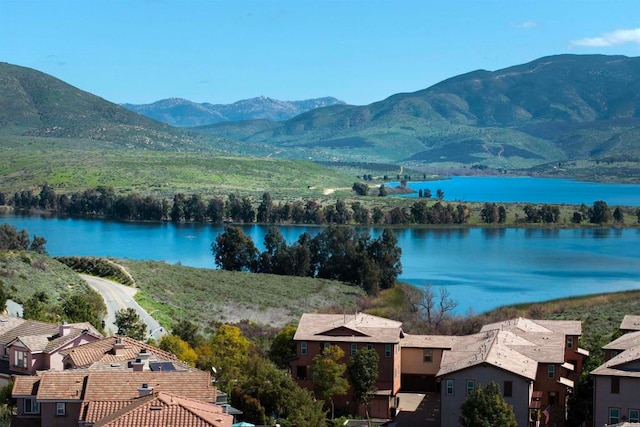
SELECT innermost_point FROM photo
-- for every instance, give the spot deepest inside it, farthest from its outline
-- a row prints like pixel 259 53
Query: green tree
pixel 38 307
pixel 600 213
pixel 283 348
pixel 84 308
pixel 234 251
pixel 363 374
pixel 129 324
pixel 327 374
pixel 439 194
pixel 485 407
pixel 386 254
pixel 618 216
pixel 187 331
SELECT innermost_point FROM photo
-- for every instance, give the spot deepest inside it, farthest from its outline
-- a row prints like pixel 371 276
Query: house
pixel 616 382
pixel 121 353
pixel 480 359
pixel 352 332
pixel 630 323
pixel 553 344
pixel 96 398
pixel 31 346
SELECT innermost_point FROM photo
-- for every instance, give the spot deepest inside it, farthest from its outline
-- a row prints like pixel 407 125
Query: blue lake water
pixel 527 189
pixel 481 268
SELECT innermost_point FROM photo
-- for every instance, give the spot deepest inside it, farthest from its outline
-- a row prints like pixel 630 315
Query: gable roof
pixel 624 342
pixel 101 355
pixel 359 327
pixel 630 322
pixel 626 364
pixel 427 341
pixel 159 409
pixel 41 337
pixel 489 347
pixel 523 325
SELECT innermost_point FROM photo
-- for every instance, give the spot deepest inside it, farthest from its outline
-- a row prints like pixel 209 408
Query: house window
pixel 303 348
pixel 326 345
pixel 449 387
pixel 507 389
pixel 301 372
pixel 6 352
pixel 61 408
pixel 369 346
pixel 354 348
pixel 614 415
pixel 569 342
pixel 20 359
pixel 471 385
pixel 387 350
pixel 634 416
pixel 615 385
pixel 551 371
pixel 427 355
pixel 31 406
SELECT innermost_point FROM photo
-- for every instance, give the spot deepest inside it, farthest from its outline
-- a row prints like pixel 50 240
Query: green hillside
pixel 51 132
pixel 556 109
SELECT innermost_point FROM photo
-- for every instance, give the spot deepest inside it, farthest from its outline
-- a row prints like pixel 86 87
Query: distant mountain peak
pixel 182 112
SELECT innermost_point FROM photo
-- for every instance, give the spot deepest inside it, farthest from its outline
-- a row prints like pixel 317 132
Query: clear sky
pixel 141 51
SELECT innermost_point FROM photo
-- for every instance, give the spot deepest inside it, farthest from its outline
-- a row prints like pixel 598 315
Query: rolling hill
pixel 555 109
pixel 182 112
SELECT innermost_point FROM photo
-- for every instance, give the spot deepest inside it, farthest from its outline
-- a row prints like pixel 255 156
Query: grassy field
pixel 208 296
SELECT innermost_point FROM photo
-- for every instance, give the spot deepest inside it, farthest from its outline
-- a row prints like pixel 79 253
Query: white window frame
pixel 20 359
pixel 303 348
pixel 635 418
pixel 569 342
pixel 61 408
pixel 427 355
pixel 388 351
pixel 471 385
pixel 614 419
pixel 31 406
pixel 551 372
pixel 449 387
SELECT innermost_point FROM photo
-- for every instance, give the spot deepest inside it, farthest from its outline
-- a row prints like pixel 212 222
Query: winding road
pixel 117 297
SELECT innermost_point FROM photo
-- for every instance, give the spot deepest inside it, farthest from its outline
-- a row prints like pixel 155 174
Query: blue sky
pixel 359 51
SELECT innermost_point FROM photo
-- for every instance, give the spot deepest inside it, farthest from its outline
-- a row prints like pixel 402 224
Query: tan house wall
pixel 482 375
pixel 413 361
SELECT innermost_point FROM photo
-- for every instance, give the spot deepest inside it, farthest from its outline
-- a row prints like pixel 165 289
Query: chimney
pixel 138 365
pixel 145 390
pixel 65 328
pixel 118 347
pixel 143 356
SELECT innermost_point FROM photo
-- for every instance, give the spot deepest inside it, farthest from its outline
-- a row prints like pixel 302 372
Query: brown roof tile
pixel 25 385
pixel 163 410
pixel 102 352
pixel 61 386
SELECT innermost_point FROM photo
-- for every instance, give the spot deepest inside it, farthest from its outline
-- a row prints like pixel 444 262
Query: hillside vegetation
pixel 207 296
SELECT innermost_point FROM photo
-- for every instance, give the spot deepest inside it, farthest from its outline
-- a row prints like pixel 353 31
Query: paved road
pixel 117 297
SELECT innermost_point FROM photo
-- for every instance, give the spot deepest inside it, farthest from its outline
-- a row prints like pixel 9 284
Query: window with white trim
pixel 551 371
pixel 61 408
pixel 614 415
pixel 427 355
pixel 448 387
pixel 569 342
pixel 20 358
pixel 471 385
pixel 303 348
pixel 634 415
pixel 387 350
pixel 31 406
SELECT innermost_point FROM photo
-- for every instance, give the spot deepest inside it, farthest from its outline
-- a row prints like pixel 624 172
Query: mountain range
pixel 554 109
pixel 536 116
pixel 182 112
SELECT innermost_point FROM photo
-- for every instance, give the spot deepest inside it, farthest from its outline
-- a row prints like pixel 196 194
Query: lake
pixel 481 268
pixel 527 189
